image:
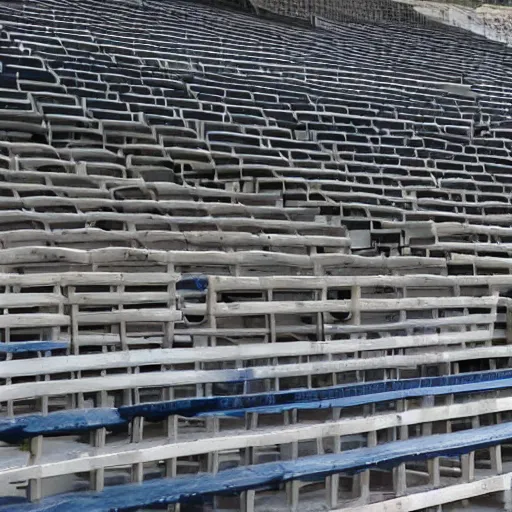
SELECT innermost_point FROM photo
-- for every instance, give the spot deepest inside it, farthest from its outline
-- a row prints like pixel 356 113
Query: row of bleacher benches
pixel 15 430
pixel 306 469
pixel 172 128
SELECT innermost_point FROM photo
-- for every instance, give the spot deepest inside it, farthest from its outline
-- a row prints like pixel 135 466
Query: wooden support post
pixel 356 305
pixel 404 429
pixel 333 481
pixel 361 481
pixel 468 466
pixel 34 489
pixel 137 435
pixel 213 462
pixel 97 476
pixel 496 460
pixel 427 401
pixel 137 429
pixel 450 399
pixel 199 386
pixel 136 391
pixel 509 325
pixel 507 500
pixel 251 421
pixel 320 317
pixel 400 480
pixel 434 472
pixel 211 305
pixel 292 495
pixel 364 483
pixel 292 487
pixel 247 501
pixel 168 338
pixel 272 318
pixel 122 324
pixel 332 489
pixel 319 446
pixel 138 472
pixel 172 427
pixel 171 468
pixel 391 434
pixel 212 425
pixel 75 342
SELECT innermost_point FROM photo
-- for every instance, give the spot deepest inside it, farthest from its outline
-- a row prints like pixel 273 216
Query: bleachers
pixel 234 246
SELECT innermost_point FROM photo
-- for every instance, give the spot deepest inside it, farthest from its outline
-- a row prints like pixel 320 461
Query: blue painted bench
pixel 13 430
pixel 167 491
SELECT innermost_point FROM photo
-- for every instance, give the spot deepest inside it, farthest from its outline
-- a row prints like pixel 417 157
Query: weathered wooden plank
pixel 114 298
pixel 130 315
pixel 326 306
pixel 224 283
pixel 34 320
pixel 27 300
pixel 39 254
pixel 88 278
pixel 176 378
pixel 141 357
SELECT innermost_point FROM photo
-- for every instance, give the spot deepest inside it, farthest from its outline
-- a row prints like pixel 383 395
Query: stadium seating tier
pixel 229 242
